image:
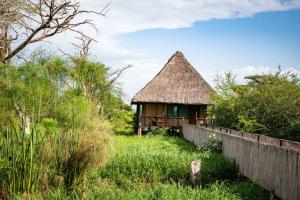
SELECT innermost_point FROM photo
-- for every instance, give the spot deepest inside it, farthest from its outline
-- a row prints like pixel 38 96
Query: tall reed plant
pixel 35 162
pixel 23 160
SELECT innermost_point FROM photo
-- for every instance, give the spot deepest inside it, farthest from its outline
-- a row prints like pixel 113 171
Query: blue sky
pixel 267 39
pixel 247 45
pixel 244 36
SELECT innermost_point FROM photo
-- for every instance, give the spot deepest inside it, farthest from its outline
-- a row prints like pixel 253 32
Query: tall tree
pixel 267 104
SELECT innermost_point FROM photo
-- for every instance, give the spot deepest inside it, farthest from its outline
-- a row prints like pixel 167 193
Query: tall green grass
pixel 42 160
pixel 163 159
pixel 157 167
pixel 23 160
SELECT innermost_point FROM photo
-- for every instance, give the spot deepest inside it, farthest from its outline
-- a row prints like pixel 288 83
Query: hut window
pixel 172 111
pixel 183 111
pixel 178 111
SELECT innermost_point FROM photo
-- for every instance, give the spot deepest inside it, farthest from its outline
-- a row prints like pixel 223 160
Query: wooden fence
pixel 272 163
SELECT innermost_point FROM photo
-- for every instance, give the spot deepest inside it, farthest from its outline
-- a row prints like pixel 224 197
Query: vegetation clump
pixel 157 167
pixel 157 131
pixel 55 125
pixel 212 144
pixel 264 105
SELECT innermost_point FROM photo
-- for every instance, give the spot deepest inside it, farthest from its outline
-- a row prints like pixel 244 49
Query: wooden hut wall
pixel 154 109
pixel 160 110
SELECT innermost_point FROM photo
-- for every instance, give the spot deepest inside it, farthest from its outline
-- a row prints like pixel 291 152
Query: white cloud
pixel 129 15
pixel 250 70
pixel 242 72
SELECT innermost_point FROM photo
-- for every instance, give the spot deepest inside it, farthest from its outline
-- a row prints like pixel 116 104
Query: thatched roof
pixel 178 82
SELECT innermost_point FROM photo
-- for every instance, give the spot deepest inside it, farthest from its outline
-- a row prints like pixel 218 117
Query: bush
pixel 89 151
pixel 127 178
pixel 292 131
pixel 157 131
pixel 157 167
pixel 266 104
pixel 251 126
pixel 212 144
pixel 49 126
pixel 41 159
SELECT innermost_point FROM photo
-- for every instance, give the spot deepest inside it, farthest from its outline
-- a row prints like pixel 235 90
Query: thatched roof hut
pixel 177 95
pixel 178 82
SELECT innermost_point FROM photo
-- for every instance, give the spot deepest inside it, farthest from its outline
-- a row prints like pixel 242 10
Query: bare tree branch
pixel 23 22
pixel 116 74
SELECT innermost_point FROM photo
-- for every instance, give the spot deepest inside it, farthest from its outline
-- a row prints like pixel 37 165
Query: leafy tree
pixel 97 84
pixel 267 104
pixel 91 79
pixel 225 101
pixel 120 114
pixel 68 92
pixel 29 92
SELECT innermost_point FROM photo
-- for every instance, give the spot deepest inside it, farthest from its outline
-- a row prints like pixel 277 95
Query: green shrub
pixel 34 162
pixel 89 151
pixel 266 104
pixel 251 126
pixel 157 131
pixel 49 126
pixel 212 144
pixel 292 131
pixel 125 177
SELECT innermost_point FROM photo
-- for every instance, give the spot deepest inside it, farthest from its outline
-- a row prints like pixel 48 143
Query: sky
pixel 244 36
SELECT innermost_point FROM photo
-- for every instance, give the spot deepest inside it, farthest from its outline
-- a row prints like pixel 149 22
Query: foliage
pixel 217 167
pixel 91 78
pixel 212 144
pixel 89 152
pixel 30 90
pixel 104 189
pixel 93 82
pixel 266 104
pixel 251 126
pixel 225 101
pixel 68 136
pixel 52 88
pixel 126 177
pixel 32 162
pixel 120 115
pixel 155 160
pixel 157 131
pixel 49 126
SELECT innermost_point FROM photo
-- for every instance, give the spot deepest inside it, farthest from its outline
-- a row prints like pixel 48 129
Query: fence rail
pixel 257 137
pixel 272 163
pixel 162 122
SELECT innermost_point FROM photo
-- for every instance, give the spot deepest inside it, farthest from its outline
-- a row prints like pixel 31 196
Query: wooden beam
pixel 140 131
pixel 138 112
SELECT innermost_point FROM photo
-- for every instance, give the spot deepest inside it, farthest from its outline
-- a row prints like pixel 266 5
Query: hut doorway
pixel 193 112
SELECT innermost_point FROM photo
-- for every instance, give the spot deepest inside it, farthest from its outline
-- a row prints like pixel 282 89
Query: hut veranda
pixel 177 95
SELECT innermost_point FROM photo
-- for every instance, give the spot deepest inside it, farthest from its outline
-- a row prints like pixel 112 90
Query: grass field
pixel 157 167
